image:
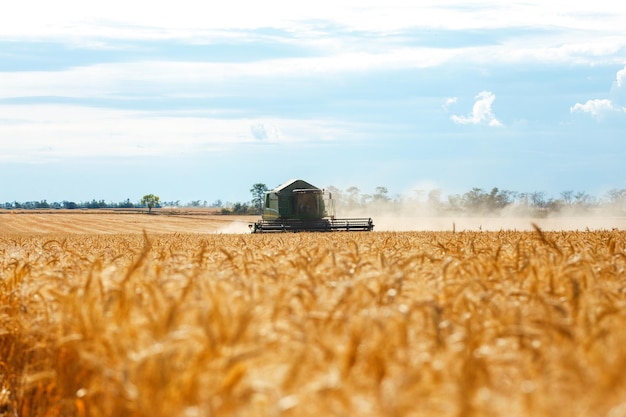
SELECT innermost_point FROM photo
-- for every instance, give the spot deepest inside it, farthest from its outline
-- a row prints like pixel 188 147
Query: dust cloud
pixel 466 223
pixel 235 227
pixel 407 219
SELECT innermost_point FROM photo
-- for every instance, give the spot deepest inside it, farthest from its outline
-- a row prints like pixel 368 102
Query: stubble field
pixel 472 323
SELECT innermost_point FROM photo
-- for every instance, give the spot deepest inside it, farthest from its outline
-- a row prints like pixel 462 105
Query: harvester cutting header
pixel 297 206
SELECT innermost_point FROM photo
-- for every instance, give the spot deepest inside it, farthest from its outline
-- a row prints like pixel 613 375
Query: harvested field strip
pixel 120 222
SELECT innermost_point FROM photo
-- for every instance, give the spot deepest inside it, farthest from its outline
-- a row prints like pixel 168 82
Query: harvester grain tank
pixel 297 206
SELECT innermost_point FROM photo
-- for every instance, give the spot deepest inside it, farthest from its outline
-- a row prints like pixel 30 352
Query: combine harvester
pixel 297 206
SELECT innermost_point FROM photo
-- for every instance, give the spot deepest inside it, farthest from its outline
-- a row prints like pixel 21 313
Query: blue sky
pixel 194 102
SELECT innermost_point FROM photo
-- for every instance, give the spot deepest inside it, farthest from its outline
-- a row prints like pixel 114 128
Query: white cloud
pixel 55 132
pixel 601 108
pixel 584 33
pixel 79 18
pixel 621 78
pixel 127 79
pixel 481 112
pixel 449 102
pixel 618 90
pixel 598 108
pixel 170 78
pixel 50 132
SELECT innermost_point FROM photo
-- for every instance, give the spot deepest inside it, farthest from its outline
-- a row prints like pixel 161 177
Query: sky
pixel 193 101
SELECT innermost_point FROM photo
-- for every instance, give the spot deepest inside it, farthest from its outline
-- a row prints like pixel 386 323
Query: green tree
pixel 151 201
pixel 258 196
pixel 475 199
pixel 499 199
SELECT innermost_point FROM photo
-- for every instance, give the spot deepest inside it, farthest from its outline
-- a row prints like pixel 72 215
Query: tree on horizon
pixel 151 201
pixel 258 191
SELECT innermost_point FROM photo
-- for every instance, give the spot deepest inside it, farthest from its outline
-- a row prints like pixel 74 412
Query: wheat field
pixel 471 323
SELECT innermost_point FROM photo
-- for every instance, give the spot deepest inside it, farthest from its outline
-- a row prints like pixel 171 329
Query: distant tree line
pixel 93 204
pixel 255 206
pixel 476 201
pixel 239 208
pixel 70 205
pixel 149 203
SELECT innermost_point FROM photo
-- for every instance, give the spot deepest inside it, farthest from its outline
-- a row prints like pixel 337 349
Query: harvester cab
pixel 299 206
